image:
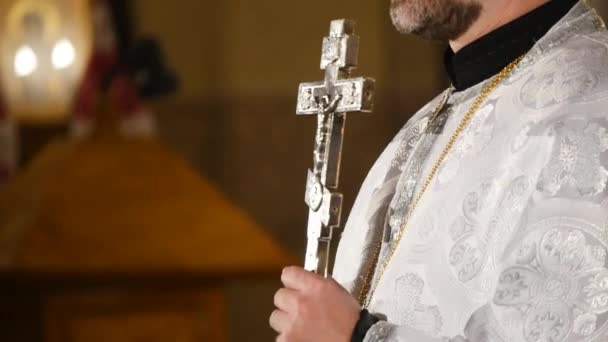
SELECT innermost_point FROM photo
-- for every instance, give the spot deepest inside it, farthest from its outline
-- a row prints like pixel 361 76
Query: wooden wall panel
pixel 133 316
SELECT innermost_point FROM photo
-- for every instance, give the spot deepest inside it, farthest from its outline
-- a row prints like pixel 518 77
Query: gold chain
pixel 367 291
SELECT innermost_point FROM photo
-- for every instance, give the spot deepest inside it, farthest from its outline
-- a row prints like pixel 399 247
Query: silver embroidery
pixel 411 311
pixel 521 139
pixel 408 142
pixel 407 186
pixel 471 249
pixel 576 74
pixel 582 20
pixel 560 285
pixel 575 163
pixel 473 140
pixel 380 332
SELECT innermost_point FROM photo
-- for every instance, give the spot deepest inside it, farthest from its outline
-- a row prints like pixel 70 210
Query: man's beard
pixel 435 19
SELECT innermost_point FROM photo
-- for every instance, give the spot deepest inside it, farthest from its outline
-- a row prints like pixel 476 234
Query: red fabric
pixel 3 109
pixel 124 96
pixel 99 65
pixel 5 168
pixel 5 175
pixel 123 93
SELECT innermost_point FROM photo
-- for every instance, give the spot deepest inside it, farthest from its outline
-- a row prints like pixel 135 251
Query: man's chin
pixel 401 20
pixel 405 27
pixel 406 22
pixel 441 21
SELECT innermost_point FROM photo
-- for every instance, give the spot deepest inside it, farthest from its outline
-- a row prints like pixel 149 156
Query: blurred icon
pixel 44 48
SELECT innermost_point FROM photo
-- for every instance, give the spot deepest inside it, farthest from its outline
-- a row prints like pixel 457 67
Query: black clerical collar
pixel 489 54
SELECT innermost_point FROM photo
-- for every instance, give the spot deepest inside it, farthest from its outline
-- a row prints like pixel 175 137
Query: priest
pixel 486 218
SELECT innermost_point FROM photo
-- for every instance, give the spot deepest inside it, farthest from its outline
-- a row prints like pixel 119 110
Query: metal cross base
pixel 330 100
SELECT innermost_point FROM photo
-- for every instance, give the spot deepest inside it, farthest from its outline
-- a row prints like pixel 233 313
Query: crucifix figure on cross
pixel 331 100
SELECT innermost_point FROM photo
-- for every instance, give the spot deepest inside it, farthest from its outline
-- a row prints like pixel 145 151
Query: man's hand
pixel 313 309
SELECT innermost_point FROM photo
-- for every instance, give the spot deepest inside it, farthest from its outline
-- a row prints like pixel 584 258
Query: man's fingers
pixel 279 321
pixel 286 300
pixel 298 278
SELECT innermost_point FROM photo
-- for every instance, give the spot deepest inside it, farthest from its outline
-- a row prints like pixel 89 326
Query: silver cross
pixel 330 100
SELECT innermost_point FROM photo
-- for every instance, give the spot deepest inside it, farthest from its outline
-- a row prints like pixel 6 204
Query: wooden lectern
pixel 120 240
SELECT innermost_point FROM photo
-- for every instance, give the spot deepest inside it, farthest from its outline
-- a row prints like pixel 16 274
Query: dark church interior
pixel 152 165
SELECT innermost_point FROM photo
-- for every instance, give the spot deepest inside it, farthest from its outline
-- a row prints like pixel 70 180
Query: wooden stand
pixel 119 240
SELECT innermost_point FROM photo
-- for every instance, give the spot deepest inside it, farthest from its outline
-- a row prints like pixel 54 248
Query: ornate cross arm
pixel 356 94
pixel 330 100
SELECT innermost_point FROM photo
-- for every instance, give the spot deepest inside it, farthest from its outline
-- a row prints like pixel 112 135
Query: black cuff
pixel 365 322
